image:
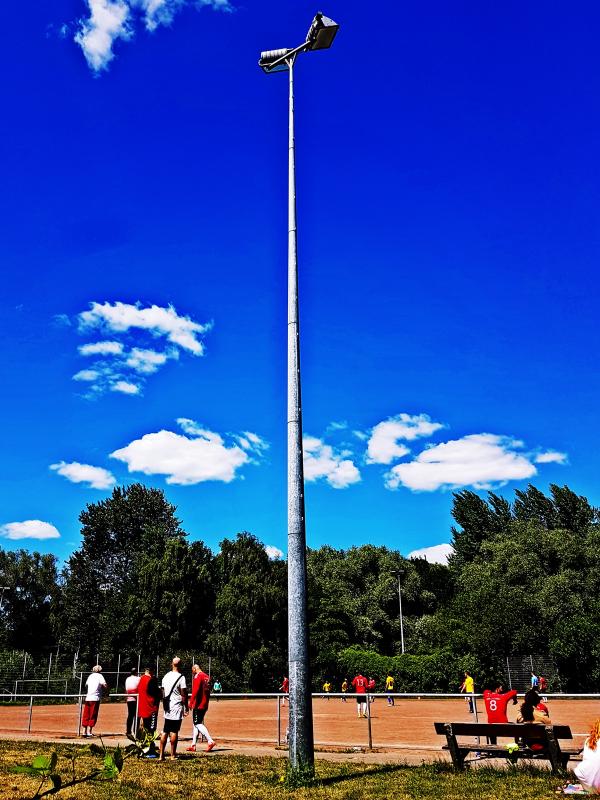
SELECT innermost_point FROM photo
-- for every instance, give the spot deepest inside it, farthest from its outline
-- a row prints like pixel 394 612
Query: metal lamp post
pixel 301 744
pixel 399 574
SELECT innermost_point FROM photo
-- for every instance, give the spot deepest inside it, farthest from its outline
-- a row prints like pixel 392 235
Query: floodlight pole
pixel 399 575
pixel 301 742
pixel 300 735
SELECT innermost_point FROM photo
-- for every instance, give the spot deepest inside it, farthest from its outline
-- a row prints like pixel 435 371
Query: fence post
pixel 509 675
pixel 66 683
pixel 278 721
pixel 30 713
pixel 118 673
pixel 24 663
pixel 49 668
pixel 369 721
pixel 80 712
pixel 139 659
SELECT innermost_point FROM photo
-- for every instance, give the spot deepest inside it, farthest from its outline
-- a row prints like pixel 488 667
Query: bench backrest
pixel 511 729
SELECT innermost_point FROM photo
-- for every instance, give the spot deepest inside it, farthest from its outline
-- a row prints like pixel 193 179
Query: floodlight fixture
pixel 321 33
pixel 320 36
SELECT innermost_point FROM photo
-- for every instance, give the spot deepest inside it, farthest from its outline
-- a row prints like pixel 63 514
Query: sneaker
pixel 191 748
pixel 209 746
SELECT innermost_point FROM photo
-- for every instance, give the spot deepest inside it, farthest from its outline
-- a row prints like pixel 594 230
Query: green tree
pixel 29 600
pixel 249 631
pixel 118 535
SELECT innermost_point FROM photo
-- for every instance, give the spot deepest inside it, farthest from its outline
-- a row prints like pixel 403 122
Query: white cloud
pixel 383 445
pixel 146 361
pixel 551 457
pixel 273 552
pixel 95 477
pixel 321 461
pixel 159 321
pixel 184 461
pixel 437 554
pixel 125 387
pixel 86 375
pixel 108 21
pixel 29 529
pixel 479 460
pixel 101 348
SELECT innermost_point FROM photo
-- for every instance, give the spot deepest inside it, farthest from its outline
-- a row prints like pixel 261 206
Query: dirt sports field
pixel 406 726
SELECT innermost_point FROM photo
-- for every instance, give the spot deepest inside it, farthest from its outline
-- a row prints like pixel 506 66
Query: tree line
pixel 524 577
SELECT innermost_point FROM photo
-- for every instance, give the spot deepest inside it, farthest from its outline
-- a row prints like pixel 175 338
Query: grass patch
pixel 229 777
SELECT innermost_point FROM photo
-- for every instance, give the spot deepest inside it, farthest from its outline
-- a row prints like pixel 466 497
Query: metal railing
pixel 29 701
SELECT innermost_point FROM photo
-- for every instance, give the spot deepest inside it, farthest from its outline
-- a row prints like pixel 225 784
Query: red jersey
pixel 285 686
pixel 495 704
pixel 148 696
pixel 372 683
pixel 360 684
pixel 200 691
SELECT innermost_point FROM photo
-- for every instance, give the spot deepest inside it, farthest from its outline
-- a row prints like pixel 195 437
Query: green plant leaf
pixel 42 763
pixel 24 770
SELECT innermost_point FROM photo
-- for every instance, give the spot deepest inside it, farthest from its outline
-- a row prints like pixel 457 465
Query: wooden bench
pixel 525 735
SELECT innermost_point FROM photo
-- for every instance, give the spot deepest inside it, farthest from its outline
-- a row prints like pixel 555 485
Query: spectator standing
pixel 217 688
pixel 148 700
pixel 131 688
pixel 468 687
pixel 96 688
pixel 175 707
pixel 389 688
pixel 199 705
pixel 360 687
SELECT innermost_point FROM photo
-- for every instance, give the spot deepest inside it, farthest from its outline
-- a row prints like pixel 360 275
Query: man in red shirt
pixel 199 705
pixel 148 700
pixel 360 684
pixel 285 688
pixel 495 705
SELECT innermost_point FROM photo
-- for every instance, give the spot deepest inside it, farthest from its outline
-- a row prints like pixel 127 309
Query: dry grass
pixel 226 777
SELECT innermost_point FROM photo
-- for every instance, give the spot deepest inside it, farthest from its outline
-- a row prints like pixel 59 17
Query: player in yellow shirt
pixel 327 687
pixel 344 688
pixel 468 687
pixel 389 688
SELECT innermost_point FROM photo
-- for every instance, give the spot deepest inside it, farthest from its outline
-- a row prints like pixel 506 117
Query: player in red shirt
pixel 285 687
pixel 199 705
pixel 495 705
pixel 360 684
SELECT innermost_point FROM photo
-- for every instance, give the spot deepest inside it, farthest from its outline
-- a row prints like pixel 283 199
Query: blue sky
pixel 448 241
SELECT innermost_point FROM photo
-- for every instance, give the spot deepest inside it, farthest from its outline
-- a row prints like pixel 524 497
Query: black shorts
pixel 198 715
pixel 172 725
pixel 150 722
pixel 361 698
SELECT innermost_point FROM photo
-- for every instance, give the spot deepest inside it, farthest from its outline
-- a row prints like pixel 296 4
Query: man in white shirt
pixel 96 688
pixel 131 687
pixel 175 707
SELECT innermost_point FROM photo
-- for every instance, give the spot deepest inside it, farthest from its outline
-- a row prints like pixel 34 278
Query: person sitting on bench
pixel 530 713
